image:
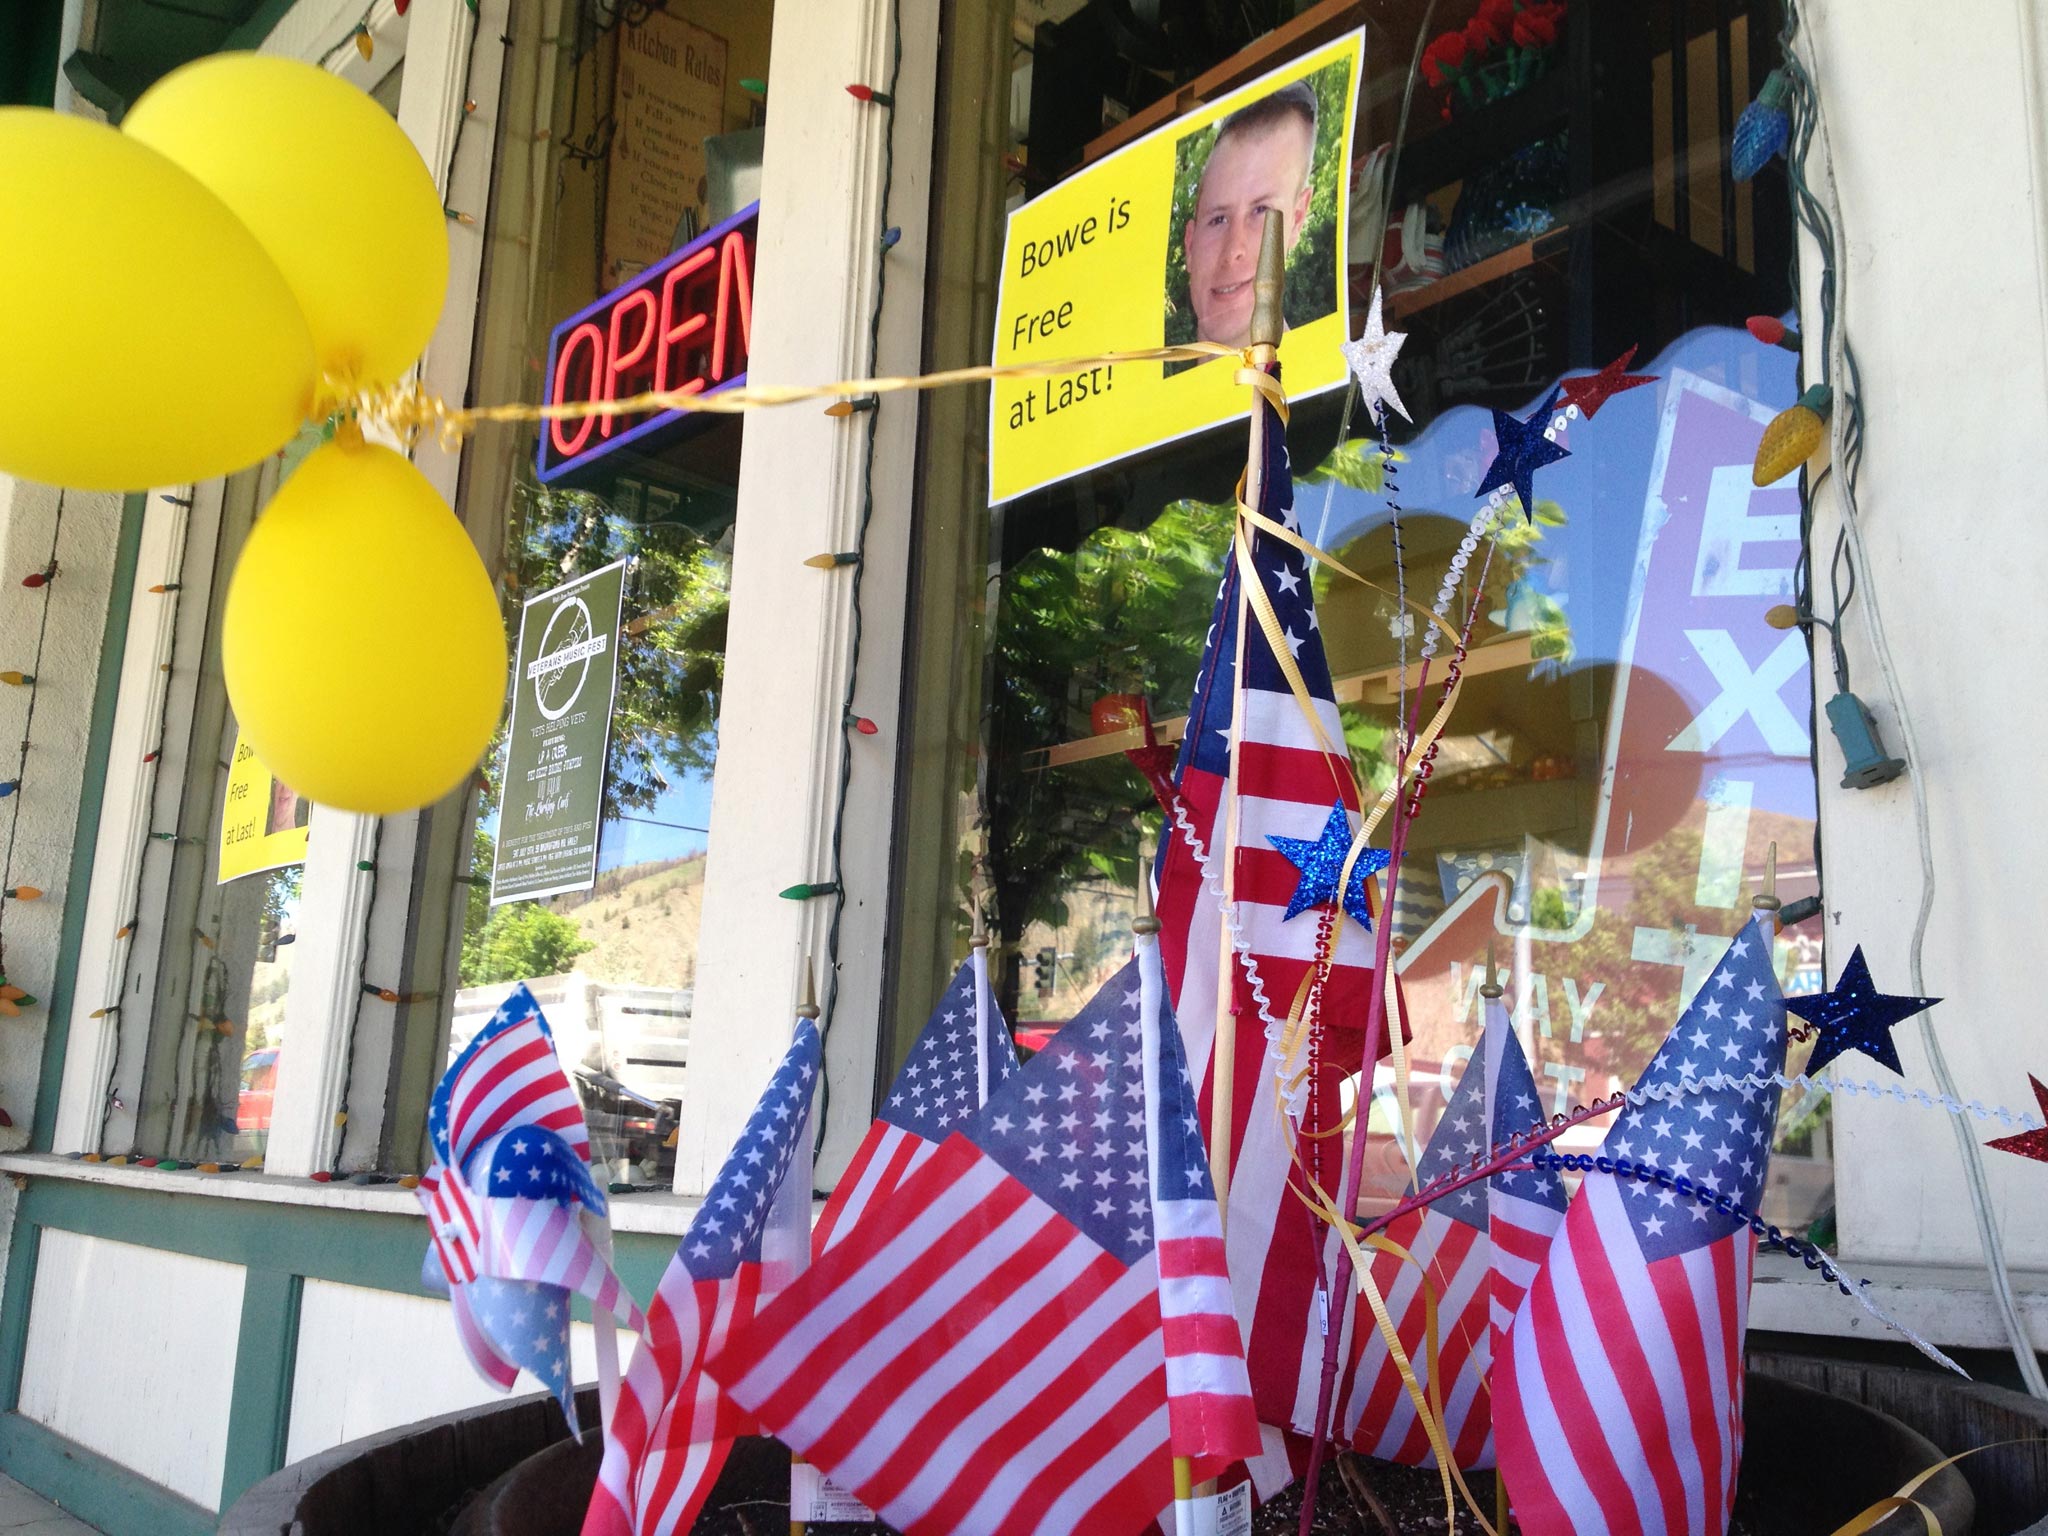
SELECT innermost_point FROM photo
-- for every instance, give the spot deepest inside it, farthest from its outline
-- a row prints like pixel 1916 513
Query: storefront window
pixel 236 871
pixel 1632 737
pixel 620 254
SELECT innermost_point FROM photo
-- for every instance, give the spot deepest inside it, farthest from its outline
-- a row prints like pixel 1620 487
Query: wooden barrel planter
pixel 1824 1440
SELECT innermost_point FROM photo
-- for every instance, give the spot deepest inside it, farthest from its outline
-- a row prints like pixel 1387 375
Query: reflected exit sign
pixel 683 324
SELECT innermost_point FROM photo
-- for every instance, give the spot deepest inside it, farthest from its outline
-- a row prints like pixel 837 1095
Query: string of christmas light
pixel 173 588
pixel 834 885
pixel 9 891
pixel 364 988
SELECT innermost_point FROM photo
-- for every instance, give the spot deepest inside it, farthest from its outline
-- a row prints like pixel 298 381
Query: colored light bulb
pixel 869 94
pixel 16 679
pixel 1763 129
pixel 1794 436
pixel 365 44
pixel 24 893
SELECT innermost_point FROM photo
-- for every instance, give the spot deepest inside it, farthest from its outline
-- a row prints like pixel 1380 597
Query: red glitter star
pixel 2032 1144
pixel 1590 391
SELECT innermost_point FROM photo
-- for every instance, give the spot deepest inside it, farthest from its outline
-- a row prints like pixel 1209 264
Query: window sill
pixel 1951 1306
pixel 658 1214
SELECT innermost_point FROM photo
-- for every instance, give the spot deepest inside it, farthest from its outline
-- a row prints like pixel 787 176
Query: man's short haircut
pixel 1269 111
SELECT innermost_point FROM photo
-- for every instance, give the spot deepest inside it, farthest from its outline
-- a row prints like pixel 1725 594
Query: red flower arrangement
pixel 1505 45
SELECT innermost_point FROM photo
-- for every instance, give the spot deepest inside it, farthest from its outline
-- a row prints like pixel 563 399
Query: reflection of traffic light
pixel 1042 969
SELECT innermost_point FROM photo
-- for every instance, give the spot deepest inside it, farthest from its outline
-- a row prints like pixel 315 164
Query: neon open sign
pixel 683 324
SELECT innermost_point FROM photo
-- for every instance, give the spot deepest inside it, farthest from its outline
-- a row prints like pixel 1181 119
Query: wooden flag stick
pixel 1268 290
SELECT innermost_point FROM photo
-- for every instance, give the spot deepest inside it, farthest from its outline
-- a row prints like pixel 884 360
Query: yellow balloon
pixel 332 188
pixel 364 650
pixel 145 337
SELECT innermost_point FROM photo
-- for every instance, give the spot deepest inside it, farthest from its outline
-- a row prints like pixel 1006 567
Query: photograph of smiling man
pixel 1154 245
pixel 1277 154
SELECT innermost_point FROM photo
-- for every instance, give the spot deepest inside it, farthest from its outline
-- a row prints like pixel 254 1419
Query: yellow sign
pixel 262 822
pixel 1156 246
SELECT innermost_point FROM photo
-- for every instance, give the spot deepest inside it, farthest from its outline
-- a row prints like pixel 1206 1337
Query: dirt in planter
pixel 1361 1496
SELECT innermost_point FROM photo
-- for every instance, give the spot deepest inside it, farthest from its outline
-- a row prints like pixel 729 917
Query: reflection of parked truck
pixel 259 1083
pixel 623 1045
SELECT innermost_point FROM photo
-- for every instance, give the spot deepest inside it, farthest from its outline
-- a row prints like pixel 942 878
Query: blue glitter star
pixel 1523 449
pixel 1855 1016
pixel 1321 863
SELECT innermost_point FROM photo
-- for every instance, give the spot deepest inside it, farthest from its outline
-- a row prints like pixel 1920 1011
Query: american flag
pixel 1619 1388
pixel 502 1198
pixel 507 1075
pixel 1288 787
pixel 673 1426
pixel 939 1086
pixel 1474 1246
pixel 536 1191
pixel 1208 1393
pixel 450 1270
pixel 985 1352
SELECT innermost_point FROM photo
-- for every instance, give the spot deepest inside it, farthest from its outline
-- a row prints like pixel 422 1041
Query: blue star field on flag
pixel 1521 450
pixel 726 1231
pixel 529 1324
pixel 1720 1137
pixel 1070 1126
pixel 1284 573
pixel 1853 1015
pixel 936 1089
pixel 1321 863
pixel 1461 1135
pixel 535 1164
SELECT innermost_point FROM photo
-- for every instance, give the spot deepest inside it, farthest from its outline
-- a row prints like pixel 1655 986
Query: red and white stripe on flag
pixel 887 1156
pixel 1618 1395
pixel 966 1360
pixel 673 1427
pixel 1377 1416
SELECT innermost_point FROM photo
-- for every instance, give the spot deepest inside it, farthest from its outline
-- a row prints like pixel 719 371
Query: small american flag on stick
pixel 988 1352
pixel 1617 1396
pixel 938 1087
pixel 673 1427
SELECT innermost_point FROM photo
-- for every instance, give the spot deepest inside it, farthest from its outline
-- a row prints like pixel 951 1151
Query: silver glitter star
pixel 1372 360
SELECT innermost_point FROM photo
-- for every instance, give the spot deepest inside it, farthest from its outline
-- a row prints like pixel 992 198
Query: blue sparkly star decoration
pixel 1321 862
pixel 1522 450
pixel 1855 1016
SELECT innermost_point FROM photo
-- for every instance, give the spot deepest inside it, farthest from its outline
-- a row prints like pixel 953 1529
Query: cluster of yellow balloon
pixel 257 245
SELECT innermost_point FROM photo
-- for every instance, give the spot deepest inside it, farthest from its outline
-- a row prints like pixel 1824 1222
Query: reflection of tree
pixel 672 656
pixel 519 941
pixel 1125 613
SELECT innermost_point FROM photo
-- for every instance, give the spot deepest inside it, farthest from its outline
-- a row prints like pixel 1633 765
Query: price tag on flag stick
pixel 814 1496
pixel 1228 1513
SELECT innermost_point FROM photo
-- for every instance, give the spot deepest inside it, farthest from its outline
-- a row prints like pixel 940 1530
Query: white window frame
pixel 433 42
pixel 781 729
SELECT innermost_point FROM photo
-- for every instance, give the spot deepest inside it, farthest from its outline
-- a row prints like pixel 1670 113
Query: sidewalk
pixel 23 1513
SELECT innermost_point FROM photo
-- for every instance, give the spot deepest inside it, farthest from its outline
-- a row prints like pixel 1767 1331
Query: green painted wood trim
pixel 86 830
pixel 22 1252
pixel 260 1411
pixel 30 31
pixel 378 1249
pixel 96 1490
pixel 262 21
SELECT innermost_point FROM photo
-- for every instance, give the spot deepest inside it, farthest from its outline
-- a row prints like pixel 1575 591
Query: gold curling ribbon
pixel 1870 1518
pixel 1434 1361
pixel 1319 1202
pixel 409 410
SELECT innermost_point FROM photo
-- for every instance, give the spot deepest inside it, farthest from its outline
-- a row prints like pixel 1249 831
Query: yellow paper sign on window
pixel 263 821
pixel 1155 246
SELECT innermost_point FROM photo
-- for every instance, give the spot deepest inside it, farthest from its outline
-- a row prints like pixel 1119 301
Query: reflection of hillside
pixel 642 920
